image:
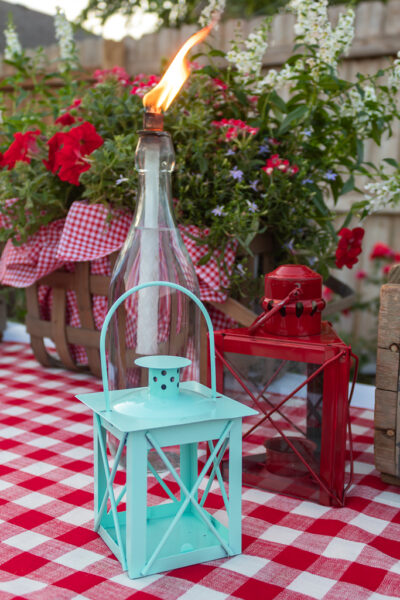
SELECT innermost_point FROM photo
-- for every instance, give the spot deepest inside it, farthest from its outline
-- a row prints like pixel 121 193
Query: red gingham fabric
pixel 91 232
pixel 292 549
pixel 211 278
pixel 21 266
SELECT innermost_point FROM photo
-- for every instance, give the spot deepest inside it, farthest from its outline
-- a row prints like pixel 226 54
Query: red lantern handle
pixel 260 320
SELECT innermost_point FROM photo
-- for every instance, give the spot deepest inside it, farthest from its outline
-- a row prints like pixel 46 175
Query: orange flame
pixel 161 96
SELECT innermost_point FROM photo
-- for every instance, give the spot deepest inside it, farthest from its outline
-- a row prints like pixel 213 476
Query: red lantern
pixel 295 370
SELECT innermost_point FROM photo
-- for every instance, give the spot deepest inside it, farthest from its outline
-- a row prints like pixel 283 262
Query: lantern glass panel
pixel 290 439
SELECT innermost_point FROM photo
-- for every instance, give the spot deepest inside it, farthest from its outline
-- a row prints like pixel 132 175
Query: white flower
pixel 380 194
pixel 277 79
pixel 394 76
pixel 65 37
pixel 315 29
pixel 213 9
pixel 248 59
pixel 121 179
pixel 13 47
pixel 178 11
pixel 363 106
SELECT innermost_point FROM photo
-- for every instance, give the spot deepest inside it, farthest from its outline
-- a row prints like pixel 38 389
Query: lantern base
pixel 191 543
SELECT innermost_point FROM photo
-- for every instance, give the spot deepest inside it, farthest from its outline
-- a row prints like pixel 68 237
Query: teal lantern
pixel 181 531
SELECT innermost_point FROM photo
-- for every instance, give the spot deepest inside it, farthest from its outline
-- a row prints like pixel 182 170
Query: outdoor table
pixel 292 549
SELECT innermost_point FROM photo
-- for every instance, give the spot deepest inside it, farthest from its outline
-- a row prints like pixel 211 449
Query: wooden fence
pixel 377 39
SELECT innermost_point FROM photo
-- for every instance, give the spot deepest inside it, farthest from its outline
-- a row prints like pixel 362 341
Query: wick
pixel 153 121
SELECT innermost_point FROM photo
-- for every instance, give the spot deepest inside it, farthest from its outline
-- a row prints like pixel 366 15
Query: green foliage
pixel 223 180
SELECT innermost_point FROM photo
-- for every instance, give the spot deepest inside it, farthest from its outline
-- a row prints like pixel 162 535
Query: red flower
pixel 23 146
pixel 361 274
pixel 283 165
pixel 349 247
pixel 142 83
pixel 67 152
pixel 381 250
pixel 117 73
pixel 386 269
pixel 65 119
pixel 220 84
pixel 235 126
pixel 76 103
pixel 87 137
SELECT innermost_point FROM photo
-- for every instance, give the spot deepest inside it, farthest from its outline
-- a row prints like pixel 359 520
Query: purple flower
pixel 264 149
pixel 254 184
pixel 229 152
pixel 307 180
pixel 307 132
pixel 330 175
pixel 289 245
pixel 218 211
pixel 236 173
pixel 240 268
pixel 252 206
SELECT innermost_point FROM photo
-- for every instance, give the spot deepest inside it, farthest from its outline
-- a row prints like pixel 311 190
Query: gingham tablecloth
pixel 292 549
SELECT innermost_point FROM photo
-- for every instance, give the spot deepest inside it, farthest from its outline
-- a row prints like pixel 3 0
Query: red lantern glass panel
pixel 300 387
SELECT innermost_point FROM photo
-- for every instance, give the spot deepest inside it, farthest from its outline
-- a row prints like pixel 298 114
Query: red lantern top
pixel 293 303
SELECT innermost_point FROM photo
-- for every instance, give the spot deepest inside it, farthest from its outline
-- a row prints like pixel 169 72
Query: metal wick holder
pixel 163 376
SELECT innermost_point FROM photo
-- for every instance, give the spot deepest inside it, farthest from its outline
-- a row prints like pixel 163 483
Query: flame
pixel 161 96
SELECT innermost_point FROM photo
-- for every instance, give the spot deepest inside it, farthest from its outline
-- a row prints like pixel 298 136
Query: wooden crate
pixel 387 396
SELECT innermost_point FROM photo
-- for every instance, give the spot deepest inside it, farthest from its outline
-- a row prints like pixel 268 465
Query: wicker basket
pixel 85 285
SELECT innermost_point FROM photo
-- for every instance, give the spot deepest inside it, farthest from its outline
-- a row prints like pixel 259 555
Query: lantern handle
pixel 261 319
pixel 137 288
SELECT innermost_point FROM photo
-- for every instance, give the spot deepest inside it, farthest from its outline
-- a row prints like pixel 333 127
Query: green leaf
pixel 348 186
pixel 204 260
pixel 278 101
pixel 347 220
pixel 241 96
pixel 216 52
pixel 360 151
pixel 392 162
pixel 296 115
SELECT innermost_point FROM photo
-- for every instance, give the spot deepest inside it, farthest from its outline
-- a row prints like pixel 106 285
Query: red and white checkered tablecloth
pixel 292 549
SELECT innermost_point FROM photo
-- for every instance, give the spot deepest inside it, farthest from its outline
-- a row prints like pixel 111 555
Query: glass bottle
pixel 156 320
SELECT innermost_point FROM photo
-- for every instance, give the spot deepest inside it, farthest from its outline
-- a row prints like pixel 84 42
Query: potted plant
pixel 250 159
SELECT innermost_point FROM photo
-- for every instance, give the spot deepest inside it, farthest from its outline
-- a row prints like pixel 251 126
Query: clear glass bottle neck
pixel 155 161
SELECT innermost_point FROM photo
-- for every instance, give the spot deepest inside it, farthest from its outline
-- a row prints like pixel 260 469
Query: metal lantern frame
pixel 151 539
pixel 331 356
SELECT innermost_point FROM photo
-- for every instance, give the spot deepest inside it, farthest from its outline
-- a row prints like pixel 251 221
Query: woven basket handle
pixel 121 299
